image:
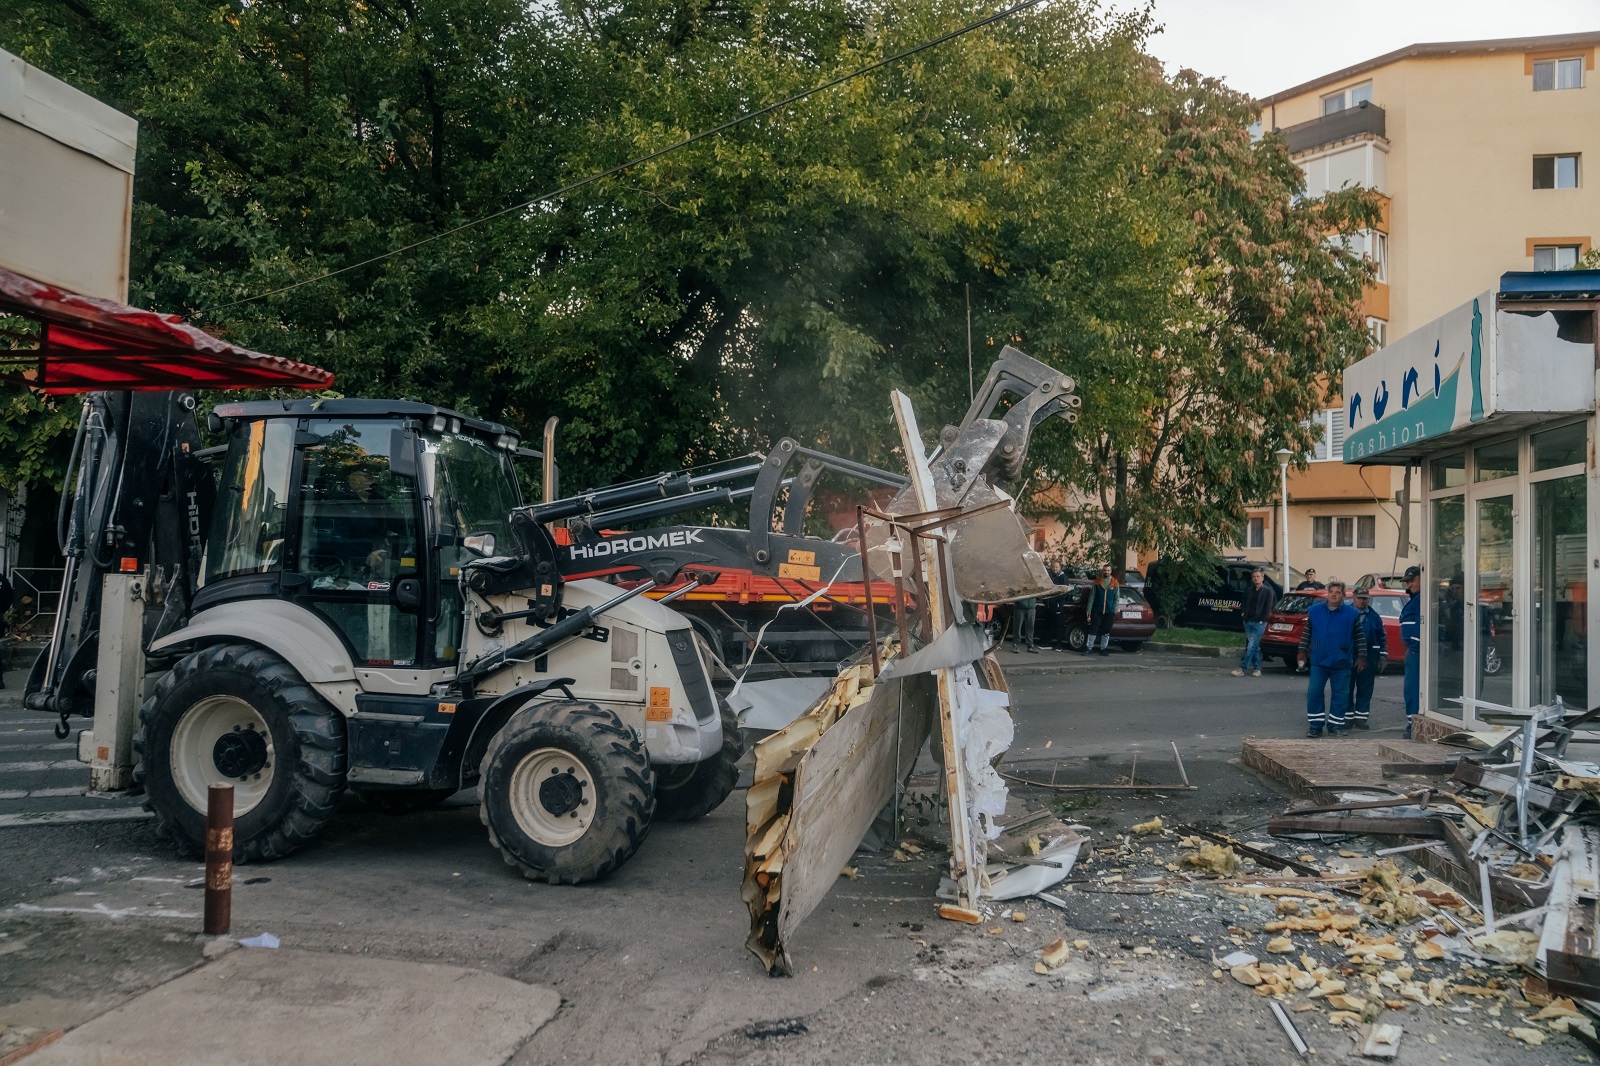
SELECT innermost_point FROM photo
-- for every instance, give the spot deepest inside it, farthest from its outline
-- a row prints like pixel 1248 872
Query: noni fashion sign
pixel 1427 383
pixel 1465 370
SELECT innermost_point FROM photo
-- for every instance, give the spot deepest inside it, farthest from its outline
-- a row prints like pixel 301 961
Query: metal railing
pixel 1364 118
pixel 35 598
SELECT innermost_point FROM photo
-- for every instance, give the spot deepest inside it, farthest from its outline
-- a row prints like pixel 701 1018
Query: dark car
pixel 1288 621
pixel 1218 605
pixel 1064 619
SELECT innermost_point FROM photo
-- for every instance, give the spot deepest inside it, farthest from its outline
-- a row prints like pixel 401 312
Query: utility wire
pixel 657 154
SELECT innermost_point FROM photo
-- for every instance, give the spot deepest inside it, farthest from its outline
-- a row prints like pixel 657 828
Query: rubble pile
pixel 1352 939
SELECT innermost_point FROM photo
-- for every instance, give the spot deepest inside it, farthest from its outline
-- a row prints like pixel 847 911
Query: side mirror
pixel 480 544
pixel 403 453
pixel 408 594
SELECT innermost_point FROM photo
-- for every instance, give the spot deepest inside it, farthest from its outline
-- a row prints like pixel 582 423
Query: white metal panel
pixel 32 98
pixel 64 216
pixel 66 184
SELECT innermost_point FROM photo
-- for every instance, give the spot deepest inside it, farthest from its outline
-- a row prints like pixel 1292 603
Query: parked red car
pixel 1064 619
pixel 1288 620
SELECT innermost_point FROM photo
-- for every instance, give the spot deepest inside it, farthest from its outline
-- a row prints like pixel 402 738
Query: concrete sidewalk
pixel 258 1006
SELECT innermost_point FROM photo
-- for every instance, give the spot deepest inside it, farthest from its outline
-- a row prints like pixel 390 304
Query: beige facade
pixel 1459 139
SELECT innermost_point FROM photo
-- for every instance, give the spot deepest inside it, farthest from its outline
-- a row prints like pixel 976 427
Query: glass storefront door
pixel 1495 607
pixel 1446 586
pixel 1560 592
pixel 1506 618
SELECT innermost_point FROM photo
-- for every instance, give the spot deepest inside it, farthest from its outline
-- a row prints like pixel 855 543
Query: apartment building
pixel 1482 151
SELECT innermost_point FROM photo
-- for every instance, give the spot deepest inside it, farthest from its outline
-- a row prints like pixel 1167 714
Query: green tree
pixel 777 279
pixel 1184 411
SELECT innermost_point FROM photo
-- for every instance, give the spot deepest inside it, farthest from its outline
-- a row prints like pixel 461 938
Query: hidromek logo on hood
pixel 678 538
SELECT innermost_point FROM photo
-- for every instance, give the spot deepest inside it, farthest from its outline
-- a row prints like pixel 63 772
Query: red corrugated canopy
pixel 89 344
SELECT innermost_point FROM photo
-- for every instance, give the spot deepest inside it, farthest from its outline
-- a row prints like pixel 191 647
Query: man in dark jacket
pixel 1257 605
pixel 1310 584
pixel 1411 638
pixel 1103 597
pixel 1361 681
pixel 1332 643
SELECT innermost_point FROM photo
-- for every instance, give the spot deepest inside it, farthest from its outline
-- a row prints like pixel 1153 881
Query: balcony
pixel 1362 120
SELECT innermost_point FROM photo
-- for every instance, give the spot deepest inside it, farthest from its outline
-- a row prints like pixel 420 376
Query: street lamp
pixel 1283 474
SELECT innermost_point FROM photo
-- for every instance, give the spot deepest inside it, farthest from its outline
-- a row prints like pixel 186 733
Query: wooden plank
pixel 966 850
pixel 1372 825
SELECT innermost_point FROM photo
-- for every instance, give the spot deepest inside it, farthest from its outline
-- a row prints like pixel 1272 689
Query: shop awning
pixel 88 344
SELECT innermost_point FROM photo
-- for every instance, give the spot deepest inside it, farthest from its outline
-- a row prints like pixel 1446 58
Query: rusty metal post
pixel 219 860
pixel 866 580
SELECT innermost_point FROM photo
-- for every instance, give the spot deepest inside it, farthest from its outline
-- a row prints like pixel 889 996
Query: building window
pixel 1557 74
pixel 1555 171
pixel 1344 531
pixel 1329 427
pixel 1370 245
pixel 1354 96
pixel 1379 331
pixel 1555 256
pixel 1256 533
pixel 1377 250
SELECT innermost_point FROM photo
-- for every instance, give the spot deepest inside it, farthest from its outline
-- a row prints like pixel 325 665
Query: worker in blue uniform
pixel 1411 638
pixel 1331 645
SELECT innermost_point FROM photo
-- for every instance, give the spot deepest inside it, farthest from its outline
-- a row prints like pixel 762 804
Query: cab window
pixel 247 522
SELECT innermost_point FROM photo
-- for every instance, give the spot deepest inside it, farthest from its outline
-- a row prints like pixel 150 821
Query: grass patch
pixel 1211 638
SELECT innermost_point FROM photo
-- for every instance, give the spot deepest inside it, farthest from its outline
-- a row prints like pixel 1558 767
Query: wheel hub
pixel 553 797
pixel 240 754
pixel 223 739
pixel 561 793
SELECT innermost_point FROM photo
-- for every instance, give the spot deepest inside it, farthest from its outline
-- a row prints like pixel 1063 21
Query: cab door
pixel 359 544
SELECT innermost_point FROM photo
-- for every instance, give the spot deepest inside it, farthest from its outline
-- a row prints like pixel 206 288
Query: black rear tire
pixel 684 793
pixel 296 788
pixel 567 792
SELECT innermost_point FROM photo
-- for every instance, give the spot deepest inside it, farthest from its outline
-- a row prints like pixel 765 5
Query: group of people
pixel 1103 596
pixel 1342 646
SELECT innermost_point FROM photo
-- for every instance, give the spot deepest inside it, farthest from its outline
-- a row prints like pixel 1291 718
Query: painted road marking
pixel 38 767
pixel 103 910
pixel 65 745
pixel 121 814
pixel 42 793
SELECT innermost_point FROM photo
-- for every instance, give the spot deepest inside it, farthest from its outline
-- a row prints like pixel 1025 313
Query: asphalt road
pixel 1145 701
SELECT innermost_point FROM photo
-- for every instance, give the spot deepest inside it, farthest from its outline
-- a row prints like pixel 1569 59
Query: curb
pixel 1203 650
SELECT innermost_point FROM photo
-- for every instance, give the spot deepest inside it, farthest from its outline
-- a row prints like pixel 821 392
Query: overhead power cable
pixel 657 154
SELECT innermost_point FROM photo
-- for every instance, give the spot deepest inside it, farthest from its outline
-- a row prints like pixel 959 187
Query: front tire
pixel 684 793
pixel 237 714
pixel 567 792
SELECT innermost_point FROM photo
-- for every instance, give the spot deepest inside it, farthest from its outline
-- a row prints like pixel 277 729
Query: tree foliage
pixel 776 279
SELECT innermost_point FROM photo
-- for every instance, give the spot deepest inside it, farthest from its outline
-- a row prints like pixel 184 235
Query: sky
pixel 1263 46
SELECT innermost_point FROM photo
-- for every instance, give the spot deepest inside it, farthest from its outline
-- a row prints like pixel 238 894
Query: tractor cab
pixel 360 511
